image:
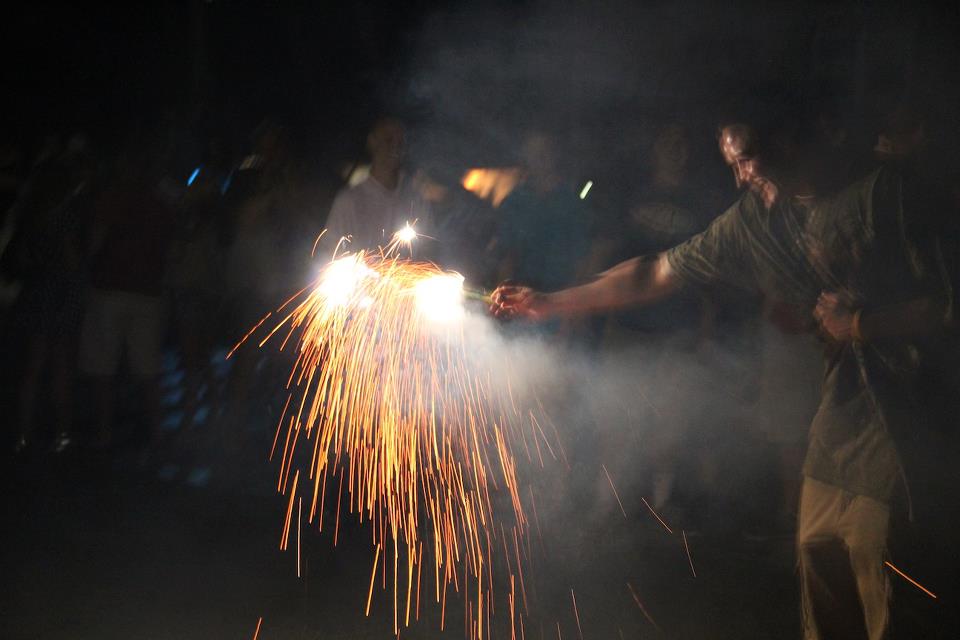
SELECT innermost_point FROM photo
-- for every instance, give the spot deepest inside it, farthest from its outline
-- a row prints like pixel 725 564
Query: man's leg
pixel 36 356
pixel 829 593
pixel 864 526
pixel 144 338
pixel 100 349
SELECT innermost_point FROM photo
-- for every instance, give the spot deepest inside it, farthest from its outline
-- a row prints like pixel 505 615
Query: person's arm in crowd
pixel 637 281
pixel 915 318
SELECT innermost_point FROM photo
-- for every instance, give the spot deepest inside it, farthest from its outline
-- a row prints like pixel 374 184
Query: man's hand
pixel 836 317
pixel 511 301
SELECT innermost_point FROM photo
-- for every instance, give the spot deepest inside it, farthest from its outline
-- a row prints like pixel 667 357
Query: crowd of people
pixel 116 265
pixel 115 255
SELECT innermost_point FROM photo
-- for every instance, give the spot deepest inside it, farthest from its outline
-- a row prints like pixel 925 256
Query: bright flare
pixel 406 234
pixel 341 280
pixel 440 297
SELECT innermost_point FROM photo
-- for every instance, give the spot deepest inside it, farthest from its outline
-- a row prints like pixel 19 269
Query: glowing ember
pixel 406 234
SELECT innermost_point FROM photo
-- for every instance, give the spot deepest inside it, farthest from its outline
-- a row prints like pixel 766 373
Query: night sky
pixel 465 70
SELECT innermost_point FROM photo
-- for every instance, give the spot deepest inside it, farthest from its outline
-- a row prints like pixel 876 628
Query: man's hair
pixel 750 145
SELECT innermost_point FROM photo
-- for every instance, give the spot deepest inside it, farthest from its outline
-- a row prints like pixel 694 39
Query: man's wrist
pixel 547 305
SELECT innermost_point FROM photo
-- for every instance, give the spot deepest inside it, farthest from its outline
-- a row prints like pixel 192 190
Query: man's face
pixel 386 143
pixel 736 146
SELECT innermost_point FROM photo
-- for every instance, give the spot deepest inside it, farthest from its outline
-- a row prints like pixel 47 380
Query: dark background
pixel 472 74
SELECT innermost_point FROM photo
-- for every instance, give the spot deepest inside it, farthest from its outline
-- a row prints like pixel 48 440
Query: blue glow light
pixel 193 176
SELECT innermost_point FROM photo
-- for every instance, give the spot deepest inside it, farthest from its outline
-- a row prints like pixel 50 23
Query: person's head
pixel 901 135
pixel 270 140
pixel 540 160
pixel 752 169
pixel 386 144
pixel 671 150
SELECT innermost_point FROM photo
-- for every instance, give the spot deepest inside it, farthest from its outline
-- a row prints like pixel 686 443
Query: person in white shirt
pixel 369 213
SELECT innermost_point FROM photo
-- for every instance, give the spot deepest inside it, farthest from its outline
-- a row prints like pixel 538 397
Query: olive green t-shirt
pixel 850 243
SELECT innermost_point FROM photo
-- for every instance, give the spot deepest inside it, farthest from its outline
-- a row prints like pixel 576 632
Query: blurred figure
pixel 194 278
pixel 257 273
pixel 664 213
pixel 48 257
pixel 11 183
pixel 544 231
pixel 465 229
pixel 379 206
pixel 132 228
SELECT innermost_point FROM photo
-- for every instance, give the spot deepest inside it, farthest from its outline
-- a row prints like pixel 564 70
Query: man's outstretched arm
pixel 638 281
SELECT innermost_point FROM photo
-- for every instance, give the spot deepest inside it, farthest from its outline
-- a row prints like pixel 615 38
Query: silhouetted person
pixel 49 258
pixel 125 315
pixel 543 232
pixel 379 206
pixel 194 278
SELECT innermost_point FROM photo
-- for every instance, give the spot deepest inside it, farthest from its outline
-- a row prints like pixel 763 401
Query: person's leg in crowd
pixel 63 358
pixel 103 393
pixel 143 337
pixel 192 315
pixel 36 355
pixel 188 339
pixel 100 349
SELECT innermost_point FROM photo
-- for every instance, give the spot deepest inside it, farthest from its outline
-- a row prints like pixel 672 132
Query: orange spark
pixel 665 525
pixel 615 495
pixel 689 557
pixel 576 614
pixel 642 608
pixel 912 581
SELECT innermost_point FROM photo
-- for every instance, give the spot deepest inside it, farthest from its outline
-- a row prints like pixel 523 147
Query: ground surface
pixel 180 541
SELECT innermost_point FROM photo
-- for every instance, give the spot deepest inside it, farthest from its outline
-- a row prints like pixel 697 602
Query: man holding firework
pixel 875 280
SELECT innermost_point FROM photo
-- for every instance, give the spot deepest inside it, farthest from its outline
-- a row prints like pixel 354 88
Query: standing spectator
pixel 132 228
pixel 194 278
pixel 372 211
pixel 665 212
pixel 47 254
pixel 544 229
pixel 258 266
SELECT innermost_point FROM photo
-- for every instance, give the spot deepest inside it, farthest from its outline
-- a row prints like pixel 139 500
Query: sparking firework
pixel 406 426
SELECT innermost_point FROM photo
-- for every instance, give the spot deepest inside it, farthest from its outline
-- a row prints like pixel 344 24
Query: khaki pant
pixel 842 545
